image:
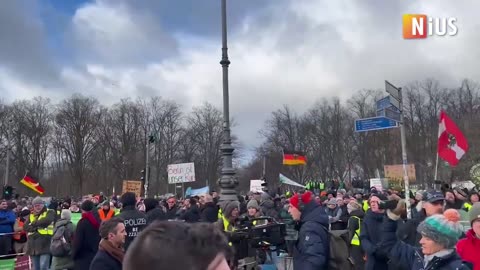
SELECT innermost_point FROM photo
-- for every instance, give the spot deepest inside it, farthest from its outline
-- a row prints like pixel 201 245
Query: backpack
pixel 339 258
pixel 59 247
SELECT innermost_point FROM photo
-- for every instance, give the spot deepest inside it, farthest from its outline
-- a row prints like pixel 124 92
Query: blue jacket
pixel 7 219
pixel 311 250
pixel 411 256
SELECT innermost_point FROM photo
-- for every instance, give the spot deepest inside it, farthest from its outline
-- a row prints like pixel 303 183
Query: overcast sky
pixel 282 52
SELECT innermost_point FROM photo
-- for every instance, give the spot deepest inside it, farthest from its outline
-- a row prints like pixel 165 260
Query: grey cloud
pixel 24 45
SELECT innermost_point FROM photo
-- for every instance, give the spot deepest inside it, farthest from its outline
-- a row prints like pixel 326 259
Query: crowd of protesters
pixel 442 233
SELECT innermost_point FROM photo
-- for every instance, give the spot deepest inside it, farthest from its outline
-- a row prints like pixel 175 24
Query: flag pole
pixel 436 161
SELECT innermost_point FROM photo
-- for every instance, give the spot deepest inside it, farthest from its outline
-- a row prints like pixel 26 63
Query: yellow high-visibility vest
pixel 467 206
pixel 356 236
pixel 45 231
pixel 219 215
pixel 365 206
pixel 226 224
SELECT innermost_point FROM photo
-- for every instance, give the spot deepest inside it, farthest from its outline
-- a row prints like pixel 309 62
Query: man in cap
pixel 40 231
pixel 433 203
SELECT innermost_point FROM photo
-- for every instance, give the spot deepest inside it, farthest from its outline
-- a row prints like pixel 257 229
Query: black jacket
pixel 192 214
pixel 85 240
pixel 377 258
pixel 134 221
pixel 104 261
pixel 155 214
pixel 209 213
pixel 311 250
pixel 172 213
pixel 407 232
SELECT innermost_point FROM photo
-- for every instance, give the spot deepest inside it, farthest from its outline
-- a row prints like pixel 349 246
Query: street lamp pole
pixel 227 182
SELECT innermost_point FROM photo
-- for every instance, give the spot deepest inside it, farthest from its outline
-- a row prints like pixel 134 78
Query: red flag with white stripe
pixel 452 144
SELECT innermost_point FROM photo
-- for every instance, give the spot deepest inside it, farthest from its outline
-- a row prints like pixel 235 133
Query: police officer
pixel 135 221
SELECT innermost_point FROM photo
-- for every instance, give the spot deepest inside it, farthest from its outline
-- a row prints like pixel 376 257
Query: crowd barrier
pixel 19 262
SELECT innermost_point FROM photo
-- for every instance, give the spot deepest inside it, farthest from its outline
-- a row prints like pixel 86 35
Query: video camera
pixel 264 231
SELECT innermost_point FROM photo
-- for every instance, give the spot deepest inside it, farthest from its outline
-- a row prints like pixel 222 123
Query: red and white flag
pixel 452 144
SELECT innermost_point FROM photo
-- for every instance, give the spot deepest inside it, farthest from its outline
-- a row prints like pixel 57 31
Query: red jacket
pixel 468 249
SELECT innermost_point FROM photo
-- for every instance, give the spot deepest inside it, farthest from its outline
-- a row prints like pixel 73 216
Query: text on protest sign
pixel 132 186
pixel 181 173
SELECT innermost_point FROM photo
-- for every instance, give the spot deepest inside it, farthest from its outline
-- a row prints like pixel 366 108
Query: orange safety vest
pixel 17 236
pixel 110 214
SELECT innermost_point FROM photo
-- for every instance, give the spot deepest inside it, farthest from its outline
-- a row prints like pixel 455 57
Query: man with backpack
pixel 311 251
pixel 61 245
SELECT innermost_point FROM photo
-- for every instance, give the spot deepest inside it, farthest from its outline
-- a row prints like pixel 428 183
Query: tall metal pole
pixel 7 165
pixel 227 182
pixel 404 156
pixel 147 154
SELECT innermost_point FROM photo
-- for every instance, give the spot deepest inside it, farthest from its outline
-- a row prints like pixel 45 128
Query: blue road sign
pixel 387 102
pixel 374 123
pixel 390 113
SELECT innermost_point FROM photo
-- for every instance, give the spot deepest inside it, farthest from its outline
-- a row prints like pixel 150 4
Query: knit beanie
pixel 332 201
pixel 228 208
pixel 443 229
pixel 474 212
pixel 66 214
pixel 306 198
pixel 38 200
pixel 253 204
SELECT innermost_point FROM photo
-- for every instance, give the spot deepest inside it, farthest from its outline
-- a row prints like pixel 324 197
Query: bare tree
pixel 76 124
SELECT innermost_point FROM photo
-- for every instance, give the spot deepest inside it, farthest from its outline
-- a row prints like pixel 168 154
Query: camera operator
pixel 229 223
pixel 312 248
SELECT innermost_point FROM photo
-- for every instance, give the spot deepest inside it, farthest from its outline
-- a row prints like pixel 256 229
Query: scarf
pixel 114 251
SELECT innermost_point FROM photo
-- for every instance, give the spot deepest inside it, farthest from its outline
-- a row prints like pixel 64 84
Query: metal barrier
pixel 17 263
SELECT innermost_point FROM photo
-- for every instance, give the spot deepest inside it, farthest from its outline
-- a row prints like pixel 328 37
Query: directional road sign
pixel 388 102
pixel 389 113
pixel 374 123
pixel 392 90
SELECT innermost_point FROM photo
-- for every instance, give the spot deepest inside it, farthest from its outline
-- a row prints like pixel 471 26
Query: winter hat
pixel 381 196
pixel 306 198
pixel 128 199
pixel 253 204
pixel 228 207
pixel 38 200
pixel 443 229
pixel 87 206
pixel 332 201
pixel 474 212
pixel 66 214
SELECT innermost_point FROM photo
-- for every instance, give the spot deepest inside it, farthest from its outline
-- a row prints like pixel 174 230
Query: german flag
pixel 294 158
pixel 33 184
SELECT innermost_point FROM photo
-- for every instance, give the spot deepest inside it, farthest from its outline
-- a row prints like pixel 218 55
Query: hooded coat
pixel 311 250
pixel 468 249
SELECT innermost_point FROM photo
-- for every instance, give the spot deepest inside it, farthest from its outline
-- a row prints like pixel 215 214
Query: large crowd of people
pixel 198 232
